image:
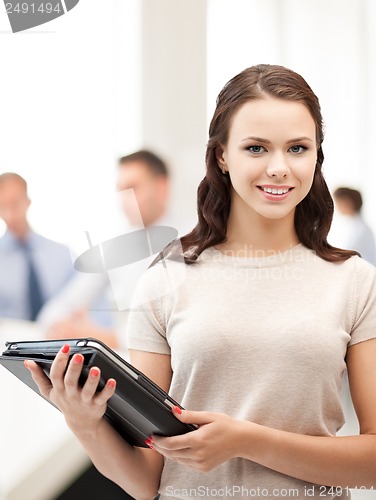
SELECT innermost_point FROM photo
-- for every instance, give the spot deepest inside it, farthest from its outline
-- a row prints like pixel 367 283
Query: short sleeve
pixel 364 325
pixel 146 325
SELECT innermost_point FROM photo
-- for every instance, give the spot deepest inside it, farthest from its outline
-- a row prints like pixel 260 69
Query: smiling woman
pixel 256 339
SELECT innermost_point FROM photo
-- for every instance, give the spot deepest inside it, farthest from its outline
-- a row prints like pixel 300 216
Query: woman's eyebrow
pixel 300 139
pixel 266 141
pixel 259 139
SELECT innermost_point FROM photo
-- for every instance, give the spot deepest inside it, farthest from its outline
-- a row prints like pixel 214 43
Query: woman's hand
pixel 214 442
pixel 82 407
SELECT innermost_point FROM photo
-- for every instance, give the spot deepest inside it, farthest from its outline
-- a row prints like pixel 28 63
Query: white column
pixel 174 92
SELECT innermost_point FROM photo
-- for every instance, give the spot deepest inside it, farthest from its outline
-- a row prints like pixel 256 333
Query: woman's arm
pixel 346 461
pixel 136 470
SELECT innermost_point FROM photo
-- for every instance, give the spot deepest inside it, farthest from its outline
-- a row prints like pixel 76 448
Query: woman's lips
pixel 275 193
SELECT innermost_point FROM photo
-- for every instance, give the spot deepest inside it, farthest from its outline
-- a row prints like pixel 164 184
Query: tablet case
pixel 138 409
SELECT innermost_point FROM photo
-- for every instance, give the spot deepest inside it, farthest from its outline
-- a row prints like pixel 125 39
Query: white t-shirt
pixel 260 339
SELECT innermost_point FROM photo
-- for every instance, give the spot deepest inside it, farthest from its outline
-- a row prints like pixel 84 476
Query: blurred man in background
pixel 33 269
pixel 349 229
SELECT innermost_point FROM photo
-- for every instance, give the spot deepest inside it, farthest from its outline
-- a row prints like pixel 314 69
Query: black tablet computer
pixel 138 409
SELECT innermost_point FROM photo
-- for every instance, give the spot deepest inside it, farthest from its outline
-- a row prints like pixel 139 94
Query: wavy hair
pixel 313 215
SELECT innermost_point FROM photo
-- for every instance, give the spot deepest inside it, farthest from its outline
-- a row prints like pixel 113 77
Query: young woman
pixel 256 338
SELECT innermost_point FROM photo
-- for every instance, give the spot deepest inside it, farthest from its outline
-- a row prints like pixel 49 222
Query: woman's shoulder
pixel 358 265
pixel 354 269
pixel 354 262
pixel 364 273
pixel 357 273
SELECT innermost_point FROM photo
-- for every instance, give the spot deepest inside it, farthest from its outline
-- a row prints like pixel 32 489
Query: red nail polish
pixel 147 442
pixel 94 372
pixel 78 359
pixel 111 383
pixel 177 409
pixel 65 349
pixel 150 439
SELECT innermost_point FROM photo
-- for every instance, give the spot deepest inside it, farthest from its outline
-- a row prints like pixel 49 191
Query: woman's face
pixel 271 156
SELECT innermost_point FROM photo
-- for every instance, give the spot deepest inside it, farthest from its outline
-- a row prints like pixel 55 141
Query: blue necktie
pixel 34 289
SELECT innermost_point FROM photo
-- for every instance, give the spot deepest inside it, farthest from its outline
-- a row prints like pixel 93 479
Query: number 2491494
pixel 33 8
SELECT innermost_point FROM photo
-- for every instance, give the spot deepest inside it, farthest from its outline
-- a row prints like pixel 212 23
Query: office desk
pixel 38 453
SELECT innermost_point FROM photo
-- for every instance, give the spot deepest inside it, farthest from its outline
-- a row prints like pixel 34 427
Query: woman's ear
pixel 219 153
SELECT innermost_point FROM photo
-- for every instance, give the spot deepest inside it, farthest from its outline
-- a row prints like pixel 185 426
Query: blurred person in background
pixel 147 175
pixel 33 269
pixel 349 229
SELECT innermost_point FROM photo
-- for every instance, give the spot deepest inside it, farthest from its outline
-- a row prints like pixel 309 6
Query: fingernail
pixel 78 359
pixel 94 372
pixel 147 442
pixel 177 409
pixel 26 364
pixel 65 349
pixel 150 438
pixel 111 383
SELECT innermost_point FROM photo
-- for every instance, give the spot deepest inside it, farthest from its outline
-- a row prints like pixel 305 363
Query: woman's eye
pixel 297 149
pixel 256 149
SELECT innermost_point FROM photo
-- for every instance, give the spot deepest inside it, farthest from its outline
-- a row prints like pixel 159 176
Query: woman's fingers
pixel 39 377
pixel 65 375
pixel 90 387
pixel 72 374
pixel 91 384
pixel 59 366
pixel 108 390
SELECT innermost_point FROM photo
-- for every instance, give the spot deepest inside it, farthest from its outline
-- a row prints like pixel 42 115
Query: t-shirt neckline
pixel 262 259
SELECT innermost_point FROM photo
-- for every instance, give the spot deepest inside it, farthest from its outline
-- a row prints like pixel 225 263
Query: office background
pixel 113 76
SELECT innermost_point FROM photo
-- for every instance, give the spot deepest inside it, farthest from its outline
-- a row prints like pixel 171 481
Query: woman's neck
pixel 251 237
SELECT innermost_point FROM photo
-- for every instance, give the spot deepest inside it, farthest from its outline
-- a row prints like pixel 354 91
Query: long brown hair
pixel 313 215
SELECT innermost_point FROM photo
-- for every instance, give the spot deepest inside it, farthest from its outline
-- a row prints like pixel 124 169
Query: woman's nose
pixel 278 166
